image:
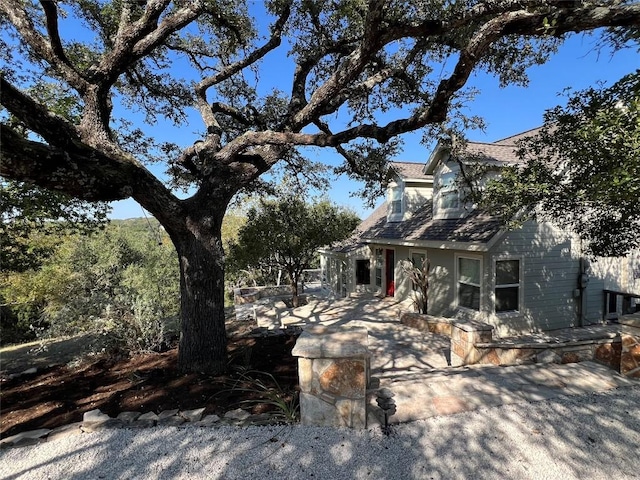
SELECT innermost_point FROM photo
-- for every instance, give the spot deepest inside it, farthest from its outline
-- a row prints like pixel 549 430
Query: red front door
pixel 390 272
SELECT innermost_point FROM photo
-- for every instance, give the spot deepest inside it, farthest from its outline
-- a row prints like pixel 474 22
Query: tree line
pixel 121 278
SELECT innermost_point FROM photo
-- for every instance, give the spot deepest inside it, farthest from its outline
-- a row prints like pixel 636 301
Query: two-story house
pixel 530 279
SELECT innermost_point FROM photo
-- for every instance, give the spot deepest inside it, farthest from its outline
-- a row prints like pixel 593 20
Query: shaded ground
pixel 59 395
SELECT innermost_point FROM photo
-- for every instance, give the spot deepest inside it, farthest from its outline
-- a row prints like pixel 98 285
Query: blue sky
pixel 506 111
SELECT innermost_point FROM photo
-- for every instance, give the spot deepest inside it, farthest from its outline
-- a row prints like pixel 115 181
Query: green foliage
pixel 286 233
pixel 34 220
pixel 120 281
pixel 581 170
pixel 265 390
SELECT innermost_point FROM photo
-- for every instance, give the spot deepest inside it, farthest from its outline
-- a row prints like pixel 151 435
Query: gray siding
pixel 550 269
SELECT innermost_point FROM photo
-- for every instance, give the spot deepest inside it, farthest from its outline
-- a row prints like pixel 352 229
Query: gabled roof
pixel 409 170
pixel 421 227
pixel 490 153
pixel 513 139
pixel 499 153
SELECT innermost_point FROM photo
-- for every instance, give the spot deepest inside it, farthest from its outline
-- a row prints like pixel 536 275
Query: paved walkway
pixel 414 365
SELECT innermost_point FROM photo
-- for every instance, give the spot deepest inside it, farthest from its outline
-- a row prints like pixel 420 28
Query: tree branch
pixel 53 128
pixel 51 15
pixel 201 88
pixel 50 52
pixel 218 107
pixel 85 173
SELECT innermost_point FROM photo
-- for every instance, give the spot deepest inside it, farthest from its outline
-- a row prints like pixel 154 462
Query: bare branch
pixel 324 128
pixel 85 173
pixel 142 36
pixel 303 69
pixel 217 107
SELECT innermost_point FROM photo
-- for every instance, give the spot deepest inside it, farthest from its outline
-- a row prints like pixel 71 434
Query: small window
pixel 418 260
pixel 469 283
pixel 395 201
pixel 448 197
pixel 507 290
pixel 379 262
pixel 363 272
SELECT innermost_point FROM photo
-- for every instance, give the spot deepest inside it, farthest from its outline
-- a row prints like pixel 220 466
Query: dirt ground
pixel 59 395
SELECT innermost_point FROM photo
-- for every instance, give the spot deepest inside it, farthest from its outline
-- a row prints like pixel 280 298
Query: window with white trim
pixel 417 259
pixel 507 287
pixel 395 209
pixel 469 290
pixel 448 197
pixel 379 263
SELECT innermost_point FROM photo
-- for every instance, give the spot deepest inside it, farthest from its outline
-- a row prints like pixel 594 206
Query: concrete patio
pixel 415 365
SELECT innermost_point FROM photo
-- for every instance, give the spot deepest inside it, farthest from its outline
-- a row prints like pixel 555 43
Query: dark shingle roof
pixel 474 228
pixel 490 153
pixel 501 152
pixel 409 170
pixel 518 136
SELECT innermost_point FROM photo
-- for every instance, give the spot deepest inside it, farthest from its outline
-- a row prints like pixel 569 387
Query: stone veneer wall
pixel 606 351
pixel 472 343
pixel 334 373
pixel 630 355
pixel 464 337
pixel 427 323
pixel 253 294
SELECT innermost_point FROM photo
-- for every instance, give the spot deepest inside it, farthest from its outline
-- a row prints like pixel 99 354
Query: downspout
pixel 583 281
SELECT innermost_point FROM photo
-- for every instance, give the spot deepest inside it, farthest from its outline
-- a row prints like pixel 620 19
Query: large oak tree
pixel 355 62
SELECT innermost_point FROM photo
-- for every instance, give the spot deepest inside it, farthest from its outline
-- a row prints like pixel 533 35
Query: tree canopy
pixel 27 211
pixel 581 170
pixel 286 233
pixel 362 74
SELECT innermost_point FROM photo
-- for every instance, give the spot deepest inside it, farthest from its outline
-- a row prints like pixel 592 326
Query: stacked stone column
pixel 334 373
pixel 464 336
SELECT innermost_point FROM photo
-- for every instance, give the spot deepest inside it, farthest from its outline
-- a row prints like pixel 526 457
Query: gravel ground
pixel 579 437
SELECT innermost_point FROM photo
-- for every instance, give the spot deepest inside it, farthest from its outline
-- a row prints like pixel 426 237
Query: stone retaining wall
pixel 472 343
pixel 427 323
pixel 334 373
pixel 630 355
pixel 253 294
pixel 464 337
pixel 606 351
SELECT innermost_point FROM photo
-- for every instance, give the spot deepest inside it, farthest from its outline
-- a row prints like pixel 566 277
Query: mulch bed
pixel 60 395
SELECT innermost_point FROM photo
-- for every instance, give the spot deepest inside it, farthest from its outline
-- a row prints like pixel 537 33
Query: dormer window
pixel 448 197
pixel 396 210
pixel 396 200
pixel 446 200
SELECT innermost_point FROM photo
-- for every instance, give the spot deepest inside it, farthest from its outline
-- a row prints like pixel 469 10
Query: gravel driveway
pixel 593 436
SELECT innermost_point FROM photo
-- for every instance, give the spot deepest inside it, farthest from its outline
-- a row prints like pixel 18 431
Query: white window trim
pixel 395 217
pixel 441 213
pixel 418 252
pixel 457 281
pixel 413 252
pixel 514 313
pixel 375 267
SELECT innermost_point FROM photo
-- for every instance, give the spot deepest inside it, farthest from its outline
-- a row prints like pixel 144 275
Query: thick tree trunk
pixel 293 279
pixel 203 340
